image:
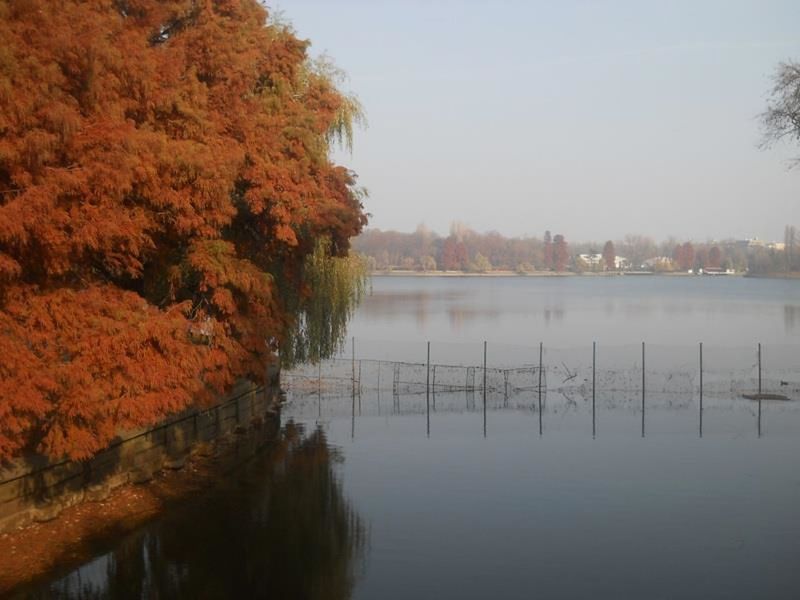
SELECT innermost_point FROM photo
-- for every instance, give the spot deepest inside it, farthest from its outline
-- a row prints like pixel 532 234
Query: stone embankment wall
pixel 37 490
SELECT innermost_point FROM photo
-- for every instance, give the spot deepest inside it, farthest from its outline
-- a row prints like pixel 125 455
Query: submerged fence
pixel 634 376
pixel 404 378
pixel 766 372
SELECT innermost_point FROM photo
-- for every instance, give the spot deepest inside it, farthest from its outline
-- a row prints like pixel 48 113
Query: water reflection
pixel 386 304
pixel 573 310
pixel 791 316
pixel 280 528
pixel 553 314
pixel 459 316
pixel 596 416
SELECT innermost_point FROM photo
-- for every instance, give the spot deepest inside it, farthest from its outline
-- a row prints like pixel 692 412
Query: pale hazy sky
pixel 590 118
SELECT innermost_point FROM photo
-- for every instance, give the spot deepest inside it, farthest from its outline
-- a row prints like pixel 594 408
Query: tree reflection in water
pixel 279 527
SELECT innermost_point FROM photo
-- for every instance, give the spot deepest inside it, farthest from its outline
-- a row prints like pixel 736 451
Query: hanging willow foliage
pixel 321 72
pixel 335 286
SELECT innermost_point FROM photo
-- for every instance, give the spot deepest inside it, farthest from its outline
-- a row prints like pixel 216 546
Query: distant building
pixel 621 263
pixel 591 260
pixel 715 271
pixel 596 260
pixel 752 243
pixel 659 263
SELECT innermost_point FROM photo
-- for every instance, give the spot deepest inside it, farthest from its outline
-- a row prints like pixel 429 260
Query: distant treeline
pixel 469 251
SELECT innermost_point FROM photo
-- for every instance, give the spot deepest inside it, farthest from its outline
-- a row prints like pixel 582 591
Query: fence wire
pixel 513 370
pixel 340 376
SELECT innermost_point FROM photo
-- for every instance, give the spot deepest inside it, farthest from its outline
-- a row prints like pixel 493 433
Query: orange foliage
pixel 164 170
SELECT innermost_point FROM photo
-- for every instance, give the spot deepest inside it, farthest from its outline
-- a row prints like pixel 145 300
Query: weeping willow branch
pixel 349 113
pixel 335 288
pixel 341 130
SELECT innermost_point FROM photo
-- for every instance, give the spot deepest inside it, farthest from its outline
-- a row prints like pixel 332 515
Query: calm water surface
pixel 387 497
pixel 568 311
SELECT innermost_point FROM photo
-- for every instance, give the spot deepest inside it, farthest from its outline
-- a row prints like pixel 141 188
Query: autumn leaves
pixel 164 168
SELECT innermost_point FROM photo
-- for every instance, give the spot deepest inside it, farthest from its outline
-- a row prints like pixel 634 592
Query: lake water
pixel 574 311
pixel 383 495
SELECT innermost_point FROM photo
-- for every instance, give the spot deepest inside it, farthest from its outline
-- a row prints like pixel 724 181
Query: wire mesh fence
pixel 340 376
pixel 768 372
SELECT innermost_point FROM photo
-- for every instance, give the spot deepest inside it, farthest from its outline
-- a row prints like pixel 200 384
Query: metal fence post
pixel 759 368
pixel 594 381
pixel 759 389
pixel 353 365
pixel 428 379
pixel 428 392
pixel 433 388
pixel 701 389
pixel 643 388
pixel 484 388
pixel 484 373
pixel 541 347
pixel 353 378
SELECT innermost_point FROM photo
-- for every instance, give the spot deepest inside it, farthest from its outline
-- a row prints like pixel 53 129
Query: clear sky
pixel 591 118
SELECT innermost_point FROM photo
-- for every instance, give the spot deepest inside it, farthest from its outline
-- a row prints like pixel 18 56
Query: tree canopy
pixel 165 172
pixel 610 256
pixel 560 253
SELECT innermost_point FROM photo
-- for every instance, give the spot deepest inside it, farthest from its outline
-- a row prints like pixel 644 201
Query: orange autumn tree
pixel 164 173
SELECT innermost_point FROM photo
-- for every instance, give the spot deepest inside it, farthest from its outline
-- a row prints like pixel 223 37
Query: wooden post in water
pixel 701 389
pixel 643 388
pixel 759 389
pixel 594 368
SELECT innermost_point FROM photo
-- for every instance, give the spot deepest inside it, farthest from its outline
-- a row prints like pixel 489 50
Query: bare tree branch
pixel 781 120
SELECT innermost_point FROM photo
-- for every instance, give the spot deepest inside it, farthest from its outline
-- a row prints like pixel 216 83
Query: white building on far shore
pixel 751 243
pixel 596 262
